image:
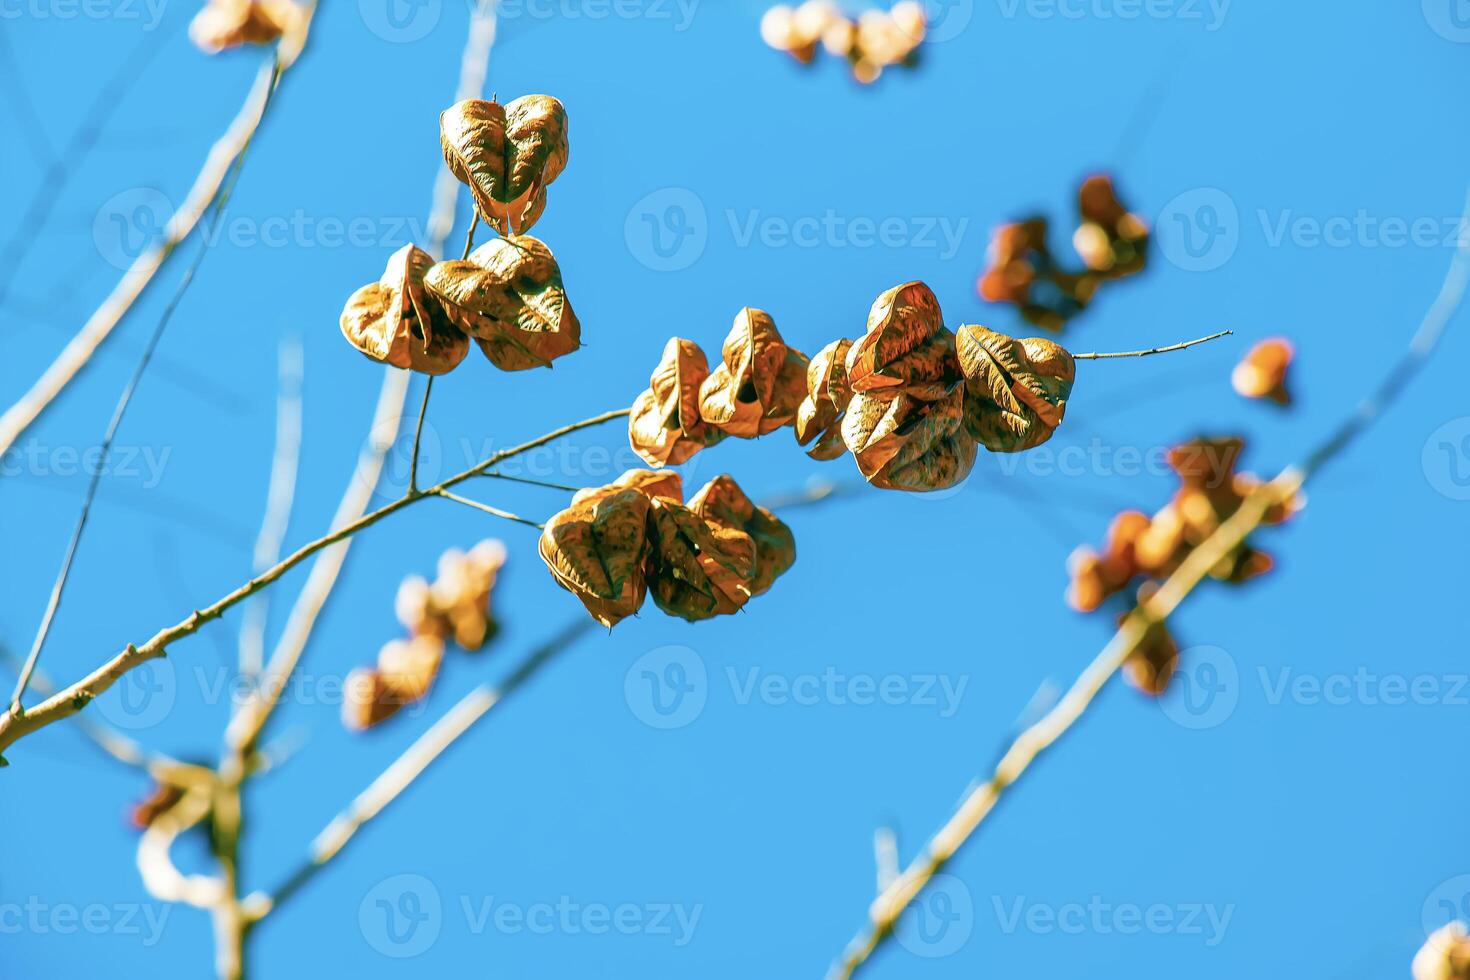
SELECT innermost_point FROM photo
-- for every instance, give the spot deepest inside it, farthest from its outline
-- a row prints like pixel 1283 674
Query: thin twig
pixel 124 400
pixel 530 482
pixel 493 511
pixel 1152 350
pixel 135 280
pixel 469 236
pixel 961 826
pixel 285 465
pixel 418 434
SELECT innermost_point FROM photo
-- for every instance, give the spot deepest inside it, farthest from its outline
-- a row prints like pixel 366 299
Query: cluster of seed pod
pixel 1147 549
pixel 1446 955
pixel 507 295
pixel 455 606
pixel 1262 372
pixel 910 399
pixel 224 24
pixel 1111 241
pixel 616 544
pixel 875 40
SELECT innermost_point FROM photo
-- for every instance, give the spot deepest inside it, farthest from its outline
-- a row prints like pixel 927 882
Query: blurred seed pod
pixel 910 18
pixel 1112 240
pixel 367 700
pixel 819 417
pixel 722 502
pixel 1016 390
pixel 1446 955
pixel 395 321
pixel 665 427
pixel 596 549
pixel 1262 372
pixel 697 569
pixel 405 672
pixel 224 24
pixel 160 799
pixel 1096 577
pixel 760 382
pixel 507 155
pixel 461 592
pixel 508 295
pixel 1151 665
pixel 415 609
pixel 905 443
pixel 1015 255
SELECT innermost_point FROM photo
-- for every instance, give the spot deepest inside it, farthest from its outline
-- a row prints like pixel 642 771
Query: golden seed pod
pixel 395 321
pixel 1262 372
pixel 759 383
pixel 722 502
pixel 1016 390
pixel 697 569
pixel 819 417
pixel 224 24
pixel 1446 955
pixel 508 295
pixel 507 155
pixel 902 442
pixel 665 427
pixel 906 347
pixel 596 548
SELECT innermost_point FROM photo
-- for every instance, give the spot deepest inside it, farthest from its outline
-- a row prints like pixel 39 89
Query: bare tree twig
pixel 418 435
pixel 486 508
pixel 961 826
pixel 1091 356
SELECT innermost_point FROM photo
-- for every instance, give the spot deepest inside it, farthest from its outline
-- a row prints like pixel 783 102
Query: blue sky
pixel 1307 822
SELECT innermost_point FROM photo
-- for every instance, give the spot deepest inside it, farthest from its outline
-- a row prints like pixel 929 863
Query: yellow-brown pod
pixel 508 295
pixel 819 416
pixel 722 502
pixel 759 383
pixel 907 346
pixel 697 569
pixel 902 442
pixel 507 155
pixel 395 321
pixel 224 24
pixel 665 427
pixel 596 550
pixel 1015 390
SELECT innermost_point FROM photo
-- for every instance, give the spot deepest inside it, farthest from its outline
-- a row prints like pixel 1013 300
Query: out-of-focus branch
pixel 885 910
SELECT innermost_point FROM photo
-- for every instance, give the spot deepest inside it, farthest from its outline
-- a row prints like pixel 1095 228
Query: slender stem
pixel 534 483
pixel 418 434
pixel 469 237
pixel 76 696
pixel 1152 350
pixel 124 400
pixel 980 802
pixel 493 511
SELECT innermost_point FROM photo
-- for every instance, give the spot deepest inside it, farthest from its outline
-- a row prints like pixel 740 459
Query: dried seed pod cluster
pixel 1446 954
pixel 454 607
pixel 875 40
pixel 1262 373
pixel 507 295
pixel 224 24
pixel 1146 550
pixel 617 544
pixel 755 389
pixel 1111 241
pixel 911 401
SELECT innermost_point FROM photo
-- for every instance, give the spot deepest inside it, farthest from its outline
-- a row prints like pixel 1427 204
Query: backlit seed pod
pixel 1095 577
pixel 1262 372
pixel 508 295
pixel 160 799
pixel 596 550
pixel 224 24
pixel 759 384
pixel 722 502
pixel 507 155
pixel 910 18
pixel 408 667
pixel 414 607
pixel 1015 390
pixel 1446 955
pixel 665 427
pixel 819 417
pixel 697 569
pixel 367 700
pixel 395 321
pixel 1112 240
pixel 905 443
pixel 907 346
pixel 461 592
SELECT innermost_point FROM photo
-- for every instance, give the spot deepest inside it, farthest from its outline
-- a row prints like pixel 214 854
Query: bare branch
pixel 486 508
pixel 1152 350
